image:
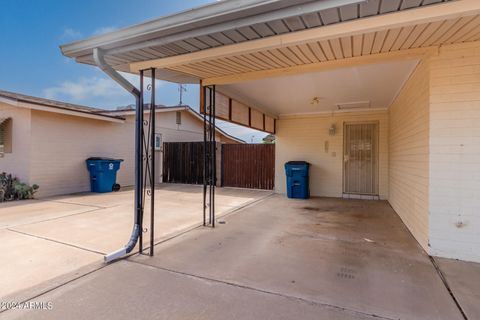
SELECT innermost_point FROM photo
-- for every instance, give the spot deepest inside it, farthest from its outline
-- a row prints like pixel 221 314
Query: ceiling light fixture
pixel 315 100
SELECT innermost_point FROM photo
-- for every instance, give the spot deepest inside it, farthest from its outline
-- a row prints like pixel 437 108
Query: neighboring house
pixel 46 142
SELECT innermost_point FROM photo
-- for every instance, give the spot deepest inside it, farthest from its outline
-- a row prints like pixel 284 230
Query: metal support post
pixel 205 170
pixel 139 163
pixel 152 161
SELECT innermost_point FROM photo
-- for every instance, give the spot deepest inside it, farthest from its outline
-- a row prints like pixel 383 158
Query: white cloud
pixel 84 88
pixel 103 30
pixel 96 91
pixel 69 33
pixel 244 133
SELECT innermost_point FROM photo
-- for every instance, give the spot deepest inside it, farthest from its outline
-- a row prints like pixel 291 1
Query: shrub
pixel 12 189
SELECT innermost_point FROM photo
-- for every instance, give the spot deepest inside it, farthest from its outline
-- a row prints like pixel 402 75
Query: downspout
pixel 102 64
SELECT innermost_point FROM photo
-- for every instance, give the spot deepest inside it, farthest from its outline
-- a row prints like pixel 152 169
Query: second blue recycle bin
pixel 297 179
pixel 103 174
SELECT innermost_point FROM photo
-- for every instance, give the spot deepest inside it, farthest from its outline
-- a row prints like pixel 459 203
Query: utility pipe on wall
pixel 137 229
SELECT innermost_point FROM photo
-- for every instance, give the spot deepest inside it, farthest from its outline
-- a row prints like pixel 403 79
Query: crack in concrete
pixel 237 285
pixel 56 287
pixel 80 204
pixel 49 219
pixel 447 286
pixel 56 241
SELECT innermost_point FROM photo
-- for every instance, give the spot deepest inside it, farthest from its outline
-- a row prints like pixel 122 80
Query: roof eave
pixel 179 108
pixel 188 19
pixel 181 24
pixel 56 109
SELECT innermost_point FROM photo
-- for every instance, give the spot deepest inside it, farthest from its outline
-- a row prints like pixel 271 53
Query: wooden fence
pixel 183 162
pixel 242 165
pixel 248 166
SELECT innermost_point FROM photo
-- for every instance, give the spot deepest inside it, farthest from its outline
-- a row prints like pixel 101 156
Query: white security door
pixel 360 157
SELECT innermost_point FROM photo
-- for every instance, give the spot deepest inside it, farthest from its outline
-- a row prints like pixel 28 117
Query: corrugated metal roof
pixel 224 23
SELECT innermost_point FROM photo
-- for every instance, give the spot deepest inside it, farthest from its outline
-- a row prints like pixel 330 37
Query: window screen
pixel 5 135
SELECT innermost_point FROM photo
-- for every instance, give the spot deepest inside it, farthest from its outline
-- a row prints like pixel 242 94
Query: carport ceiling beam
pixel 417 53
pixel 444 11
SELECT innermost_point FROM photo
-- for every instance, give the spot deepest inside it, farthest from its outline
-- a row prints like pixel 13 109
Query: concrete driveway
pixel 277 259
pixel 50 241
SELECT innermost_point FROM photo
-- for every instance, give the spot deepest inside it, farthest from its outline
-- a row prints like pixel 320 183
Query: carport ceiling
pixel 277 33
pixel 375 84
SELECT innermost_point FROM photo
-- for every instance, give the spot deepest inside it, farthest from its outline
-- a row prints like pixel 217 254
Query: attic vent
pixel 353 105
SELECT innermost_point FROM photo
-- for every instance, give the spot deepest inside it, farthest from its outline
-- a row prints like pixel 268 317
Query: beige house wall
pixel 455 152
pixel 305 137
pixel 18 161
pixel 61 143
pixel 409 154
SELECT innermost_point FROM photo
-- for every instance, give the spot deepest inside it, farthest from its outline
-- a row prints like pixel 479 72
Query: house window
pixel 5 136
pixel 158 141
pixel 179 117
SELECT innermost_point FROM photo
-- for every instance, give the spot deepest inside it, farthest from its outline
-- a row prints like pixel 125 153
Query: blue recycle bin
pixel 103 174
pixel 297 179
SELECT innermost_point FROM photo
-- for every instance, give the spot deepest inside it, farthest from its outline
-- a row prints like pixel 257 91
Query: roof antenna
pixel 181 88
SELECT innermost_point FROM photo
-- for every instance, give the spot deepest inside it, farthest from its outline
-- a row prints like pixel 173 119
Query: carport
pixel 381 97
pixel 375 94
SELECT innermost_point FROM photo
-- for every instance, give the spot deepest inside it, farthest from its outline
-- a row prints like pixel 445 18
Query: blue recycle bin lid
pixel 103 159
pixel 297 163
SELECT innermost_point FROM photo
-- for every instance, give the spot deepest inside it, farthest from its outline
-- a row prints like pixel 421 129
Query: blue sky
pixel 31 61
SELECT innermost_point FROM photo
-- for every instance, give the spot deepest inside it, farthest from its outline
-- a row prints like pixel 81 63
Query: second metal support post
pixel 152 161
pixel 209 155
pixel 139 185
pixel 145 166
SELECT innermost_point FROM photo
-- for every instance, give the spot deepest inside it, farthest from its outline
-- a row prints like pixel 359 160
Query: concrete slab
pixel 31 211
pixel 49 239
pixel 102 200
pixel 464 281
pixel 28 261
pixel 129 290
pixel 177 207
pixel 277 259
pixel 165 191
pixel 352 254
